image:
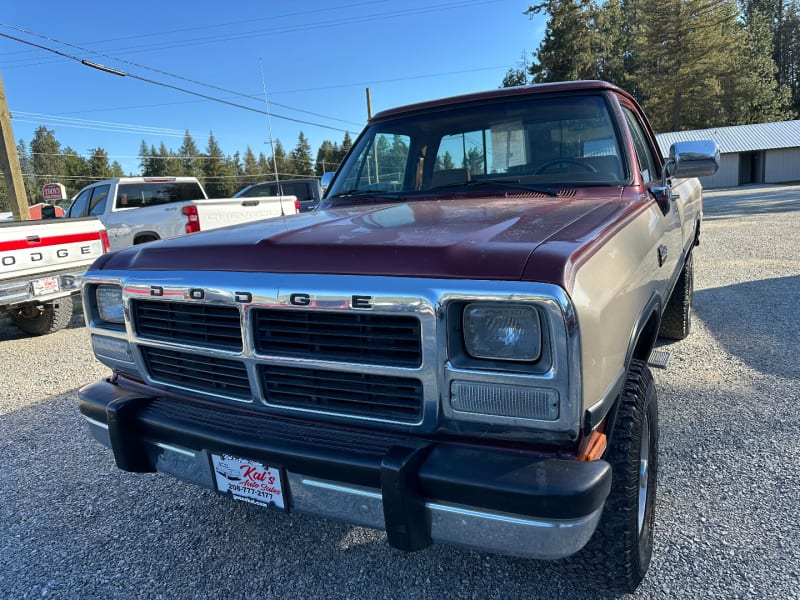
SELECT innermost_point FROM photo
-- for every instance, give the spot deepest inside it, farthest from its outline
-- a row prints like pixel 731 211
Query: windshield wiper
pixel 513 184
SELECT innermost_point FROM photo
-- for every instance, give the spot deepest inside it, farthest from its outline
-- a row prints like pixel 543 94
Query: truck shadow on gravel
pixel 756 321
pixel 748 203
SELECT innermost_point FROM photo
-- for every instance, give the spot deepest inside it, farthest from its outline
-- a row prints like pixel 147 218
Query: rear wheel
pixel 620 550
pixel 43 318
pixel 143 239
pixel 676 322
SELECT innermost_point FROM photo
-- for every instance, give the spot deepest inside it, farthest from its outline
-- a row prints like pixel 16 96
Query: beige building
pixel 759 153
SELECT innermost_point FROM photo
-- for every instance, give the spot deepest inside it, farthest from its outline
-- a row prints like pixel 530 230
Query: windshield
pixel 529 143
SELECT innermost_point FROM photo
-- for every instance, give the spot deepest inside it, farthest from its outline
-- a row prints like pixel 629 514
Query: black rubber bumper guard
pixel 406 469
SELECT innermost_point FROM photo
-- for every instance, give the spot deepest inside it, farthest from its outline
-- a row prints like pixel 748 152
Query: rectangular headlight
pixel 502 332
pixel 109 303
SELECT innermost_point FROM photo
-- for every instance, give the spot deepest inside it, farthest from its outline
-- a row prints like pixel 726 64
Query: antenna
pixel 269 122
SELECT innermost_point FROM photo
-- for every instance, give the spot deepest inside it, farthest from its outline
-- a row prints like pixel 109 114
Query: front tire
pixel 676 322
pixel 620 550
pixel 43 318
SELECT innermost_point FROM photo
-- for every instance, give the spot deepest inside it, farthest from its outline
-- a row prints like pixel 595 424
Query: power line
pixel 272 30
pixel 303 27
pixel 167 85
pixel 220 25
pixel 314 89
pixel 393 80
pixel 162 72
pixel 29 117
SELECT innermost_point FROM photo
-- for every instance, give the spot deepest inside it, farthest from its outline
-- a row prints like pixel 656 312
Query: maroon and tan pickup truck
pixel 453 348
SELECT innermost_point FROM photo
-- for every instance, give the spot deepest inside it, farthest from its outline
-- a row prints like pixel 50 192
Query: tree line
pixel 692 64
pixel 45 160
pixel 223 175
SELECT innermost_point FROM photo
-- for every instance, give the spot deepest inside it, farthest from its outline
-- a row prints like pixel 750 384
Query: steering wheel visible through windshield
pixel 530 142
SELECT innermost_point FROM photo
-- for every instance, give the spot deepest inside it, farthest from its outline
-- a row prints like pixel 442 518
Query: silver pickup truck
pixel 453 347
pixel 136 210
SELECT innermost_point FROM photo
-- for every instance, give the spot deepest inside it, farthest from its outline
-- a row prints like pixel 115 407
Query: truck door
pixel 669 215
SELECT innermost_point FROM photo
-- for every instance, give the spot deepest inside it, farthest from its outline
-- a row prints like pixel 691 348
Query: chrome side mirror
pixel 692 159
pixel 326 180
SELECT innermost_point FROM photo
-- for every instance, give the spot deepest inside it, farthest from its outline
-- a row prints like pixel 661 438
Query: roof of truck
pixel 522 90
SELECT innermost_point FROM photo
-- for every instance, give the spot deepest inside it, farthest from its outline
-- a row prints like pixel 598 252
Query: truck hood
pixel 472 238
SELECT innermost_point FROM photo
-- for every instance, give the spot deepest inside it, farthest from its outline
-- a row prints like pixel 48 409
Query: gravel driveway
pixel 728 512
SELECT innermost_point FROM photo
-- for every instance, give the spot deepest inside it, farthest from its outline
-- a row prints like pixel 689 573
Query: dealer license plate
pixel 248 480
pixel 45 285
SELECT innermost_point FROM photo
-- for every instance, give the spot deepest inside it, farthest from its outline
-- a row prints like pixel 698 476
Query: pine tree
pixel 188 153
pixel 569 48
pixel 26 166
pixel 302 163
pixel 144 159
pixel 616 30
pixel 46 156
pixel 444 161
pixel 782 17
pixel 681 72
pixel 327 158
pixel 514 77
pixel 347 143
pixel 219 179
pixel 76 172
pixel 158 161
pixel 751 92
pixel 251 170
pixel 98 164
pixel 264 168
pixel 280 162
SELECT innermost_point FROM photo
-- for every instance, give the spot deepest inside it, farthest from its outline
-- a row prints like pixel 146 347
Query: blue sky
pixel 317 57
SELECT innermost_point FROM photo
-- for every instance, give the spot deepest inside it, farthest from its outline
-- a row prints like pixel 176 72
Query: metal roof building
pixel 758 153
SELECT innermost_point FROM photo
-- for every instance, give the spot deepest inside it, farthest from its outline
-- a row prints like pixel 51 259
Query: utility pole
pixel 9 162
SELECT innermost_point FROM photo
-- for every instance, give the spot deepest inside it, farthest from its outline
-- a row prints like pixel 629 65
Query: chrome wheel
pixel 644 459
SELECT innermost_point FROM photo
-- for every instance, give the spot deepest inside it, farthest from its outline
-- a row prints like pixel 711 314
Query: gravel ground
pixel 728 511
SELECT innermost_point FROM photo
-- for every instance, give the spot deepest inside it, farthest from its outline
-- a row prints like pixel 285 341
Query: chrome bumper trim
pixel 458 525
pixel 21 291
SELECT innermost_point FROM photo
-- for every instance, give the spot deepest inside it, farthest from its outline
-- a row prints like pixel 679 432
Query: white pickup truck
pixel 41 267
pixel 135 210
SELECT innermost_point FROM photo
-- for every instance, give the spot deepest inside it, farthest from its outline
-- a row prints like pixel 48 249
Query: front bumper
pixel 419 491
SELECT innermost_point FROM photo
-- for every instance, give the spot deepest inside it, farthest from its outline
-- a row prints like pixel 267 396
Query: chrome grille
pixel 205 325
pixel 195 372
pixel 385 340
pixel 359 394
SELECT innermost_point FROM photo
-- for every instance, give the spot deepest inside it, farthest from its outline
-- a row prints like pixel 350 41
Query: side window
pixel 300 190
pixel 381 166
pixel 97 205
pixel 647 164
pixel 78 208
pixel 151 193
pixel 468 152
pixel 265 189
pixel 189 190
